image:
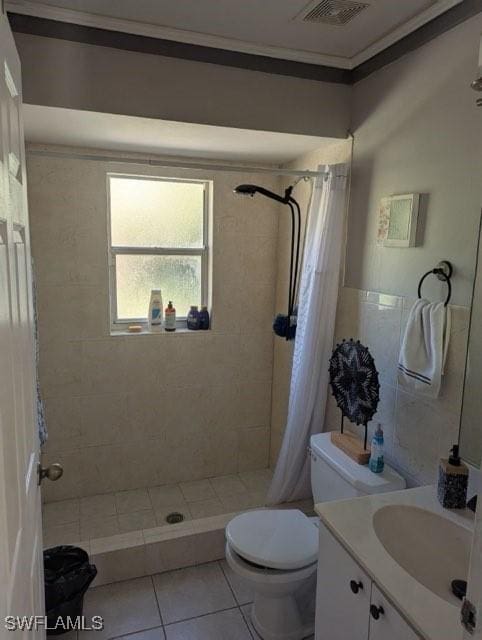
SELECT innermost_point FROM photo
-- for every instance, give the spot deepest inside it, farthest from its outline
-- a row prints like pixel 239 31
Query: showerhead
pixel 245 190
pixel 284 325
pixel 252 189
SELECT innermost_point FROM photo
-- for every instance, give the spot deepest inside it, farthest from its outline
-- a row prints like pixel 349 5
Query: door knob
pixel 477 84
pixel 356 586
pixel 52 472
pixel 376 612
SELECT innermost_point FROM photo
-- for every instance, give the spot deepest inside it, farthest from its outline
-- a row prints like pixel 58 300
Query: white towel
pixel 424 348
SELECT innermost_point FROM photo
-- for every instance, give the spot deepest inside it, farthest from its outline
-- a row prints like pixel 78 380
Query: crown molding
pixel 403 31
pixel 418 32
pixel 39 10
pixel 48 12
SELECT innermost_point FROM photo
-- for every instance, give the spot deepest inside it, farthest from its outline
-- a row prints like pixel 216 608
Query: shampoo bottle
pixel 155 310
pixel 170 317
pixel 193 318
pixel 377 463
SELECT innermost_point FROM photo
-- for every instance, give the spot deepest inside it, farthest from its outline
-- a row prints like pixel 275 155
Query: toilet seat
pixel 278 539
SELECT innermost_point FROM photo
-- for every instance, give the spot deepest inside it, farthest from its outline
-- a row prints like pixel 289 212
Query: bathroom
pixel 158 441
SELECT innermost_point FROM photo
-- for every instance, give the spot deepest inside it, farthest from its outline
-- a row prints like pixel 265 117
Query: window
pixel 158 240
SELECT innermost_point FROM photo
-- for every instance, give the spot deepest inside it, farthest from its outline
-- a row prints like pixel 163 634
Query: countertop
pixel 350 521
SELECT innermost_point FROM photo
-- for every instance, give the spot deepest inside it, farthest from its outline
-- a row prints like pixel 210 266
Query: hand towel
pixel 424 348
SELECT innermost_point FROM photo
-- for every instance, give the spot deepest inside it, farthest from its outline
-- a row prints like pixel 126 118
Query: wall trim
pixel 421 36
pixel 69 16
pixel 21 23
pixel 60 14
pixel 109 37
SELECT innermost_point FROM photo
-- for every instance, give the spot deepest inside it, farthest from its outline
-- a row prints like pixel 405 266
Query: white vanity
pixel 385 567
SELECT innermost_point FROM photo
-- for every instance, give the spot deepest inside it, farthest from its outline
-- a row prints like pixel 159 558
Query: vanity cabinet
pixel 349 606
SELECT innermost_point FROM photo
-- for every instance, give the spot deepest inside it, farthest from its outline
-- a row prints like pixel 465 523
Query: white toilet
pixel 276 550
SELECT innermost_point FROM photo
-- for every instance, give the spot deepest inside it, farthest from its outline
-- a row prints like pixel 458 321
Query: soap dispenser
pixel 453 478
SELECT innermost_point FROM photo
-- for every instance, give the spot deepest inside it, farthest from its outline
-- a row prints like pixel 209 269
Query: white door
pixel 21 572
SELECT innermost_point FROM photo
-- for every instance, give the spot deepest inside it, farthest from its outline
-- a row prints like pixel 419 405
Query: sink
pixel 432 549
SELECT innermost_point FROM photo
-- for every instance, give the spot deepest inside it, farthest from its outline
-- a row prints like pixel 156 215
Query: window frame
pixel 121 324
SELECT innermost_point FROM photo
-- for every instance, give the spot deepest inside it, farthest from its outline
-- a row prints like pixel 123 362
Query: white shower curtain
pixel 314 335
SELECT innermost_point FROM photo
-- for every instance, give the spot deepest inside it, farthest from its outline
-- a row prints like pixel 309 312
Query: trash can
pixel 68 575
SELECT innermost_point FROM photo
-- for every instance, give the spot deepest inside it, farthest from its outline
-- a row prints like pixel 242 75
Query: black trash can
pixel 68 575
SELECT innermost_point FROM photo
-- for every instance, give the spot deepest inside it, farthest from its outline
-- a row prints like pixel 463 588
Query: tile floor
pixel 206 602
pixel 82 519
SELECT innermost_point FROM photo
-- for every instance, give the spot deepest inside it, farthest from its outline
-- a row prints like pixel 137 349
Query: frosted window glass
pixel 156 213
pixel 178 277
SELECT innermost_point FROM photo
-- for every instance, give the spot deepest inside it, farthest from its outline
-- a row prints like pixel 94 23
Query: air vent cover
pixel 336 12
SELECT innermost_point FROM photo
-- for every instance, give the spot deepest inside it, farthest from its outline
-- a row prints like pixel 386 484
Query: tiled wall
pixel 127 412
pixel 418 430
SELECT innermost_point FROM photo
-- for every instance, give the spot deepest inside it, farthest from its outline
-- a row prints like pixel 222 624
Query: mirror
pixel 471 418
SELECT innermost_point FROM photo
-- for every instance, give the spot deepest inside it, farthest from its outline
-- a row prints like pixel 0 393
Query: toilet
pixel 275 551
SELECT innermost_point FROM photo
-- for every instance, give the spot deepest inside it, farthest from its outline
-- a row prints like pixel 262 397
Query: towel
pixel 424 348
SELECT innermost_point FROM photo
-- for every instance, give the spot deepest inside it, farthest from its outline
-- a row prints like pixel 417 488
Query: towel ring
pixel 443 271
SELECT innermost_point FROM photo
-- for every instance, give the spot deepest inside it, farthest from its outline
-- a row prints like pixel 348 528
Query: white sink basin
pixel 432 549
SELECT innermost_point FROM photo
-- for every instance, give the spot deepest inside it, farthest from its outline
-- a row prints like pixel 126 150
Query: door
pixel 21 573
pixel 385 622
pixel 343 593
pixel 472 608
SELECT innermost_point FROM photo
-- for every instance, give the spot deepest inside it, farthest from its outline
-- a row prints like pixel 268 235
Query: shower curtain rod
pixel 179 164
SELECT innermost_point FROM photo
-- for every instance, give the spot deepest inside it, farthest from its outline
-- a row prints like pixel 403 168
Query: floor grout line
pixel 157 600
pixel 247 625
pixel 202 615
pixel 227 580
pixel 133 633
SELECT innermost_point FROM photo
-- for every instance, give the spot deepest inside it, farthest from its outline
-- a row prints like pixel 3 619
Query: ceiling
pixel 265 27
pixel 54 125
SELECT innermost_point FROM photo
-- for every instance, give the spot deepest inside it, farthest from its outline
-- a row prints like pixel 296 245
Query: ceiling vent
pixel 336 12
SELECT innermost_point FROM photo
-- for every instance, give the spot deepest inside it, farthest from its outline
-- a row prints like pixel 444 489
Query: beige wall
pixel 416 129
pixel 134 411
pixel 80 76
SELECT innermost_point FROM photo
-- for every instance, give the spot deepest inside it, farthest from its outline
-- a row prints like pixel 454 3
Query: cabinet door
pixel 385 621
pixel 342 593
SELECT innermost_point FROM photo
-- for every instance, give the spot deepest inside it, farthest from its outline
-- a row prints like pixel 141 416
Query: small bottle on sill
pixel 170 317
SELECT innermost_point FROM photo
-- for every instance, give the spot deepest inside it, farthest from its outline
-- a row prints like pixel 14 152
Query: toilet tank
pixel 335 476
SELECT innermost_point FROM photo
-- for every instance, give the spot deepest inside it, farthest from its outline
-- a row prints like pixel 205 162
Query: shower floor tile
pixel 91 517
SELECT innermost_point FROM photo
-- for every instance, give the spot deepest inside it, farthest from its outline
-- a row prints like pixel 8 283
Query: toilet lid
pixel 276 539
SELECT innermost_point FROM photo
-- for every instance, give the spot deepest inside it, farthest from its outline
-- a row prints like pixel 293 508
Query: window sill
pixel 162 332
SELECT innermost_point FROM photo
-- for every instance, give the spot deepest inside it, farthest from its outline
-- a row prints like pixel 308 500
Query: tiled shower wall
pixel 133 411
pixel 418 430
